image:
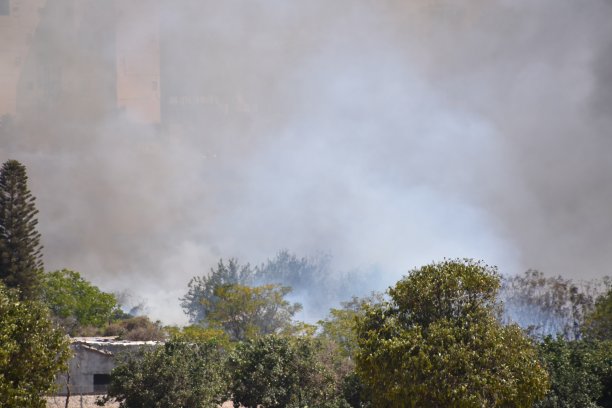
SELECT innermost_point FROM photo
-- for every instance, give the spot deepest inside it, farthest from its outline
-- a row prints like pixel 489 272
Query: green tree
pixel 200 297
pixel 173 375
pixel 580 373
pixel 599 322
pixel 338 336
pixel 20 249
pixel 340 326
pixel 438 343
pixel 245 311
pixel 32 351
pixel 281 372
pixel 75 302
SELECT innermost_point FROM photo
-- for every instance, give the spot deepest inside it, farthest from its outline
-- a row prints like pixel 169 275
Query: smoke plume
pixel 388 133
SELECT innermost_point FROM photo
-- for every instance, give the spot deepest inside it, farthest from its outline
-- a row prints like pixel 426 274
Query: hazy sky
pixel 387 133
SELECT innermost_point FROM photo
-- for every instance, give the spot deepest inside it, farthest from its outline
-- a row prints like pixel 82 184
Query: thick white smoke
pixel 388 133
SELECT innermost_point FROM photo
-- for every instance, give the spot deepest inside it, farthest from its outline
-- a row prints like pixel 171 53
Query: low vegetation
pixel 175 375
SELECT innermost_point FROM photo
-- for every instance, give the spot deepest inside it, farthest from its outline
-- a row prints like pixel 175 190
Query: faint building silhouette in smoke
pixel 78 59
pixel 198 63
pixel 69 72
pixel 86 59
pixel 138 68
pixel 18 21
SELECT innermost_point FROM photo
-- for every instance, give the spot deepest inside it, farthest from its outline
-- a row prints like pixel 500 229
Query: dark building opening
pixel 101 382
pixel 5 7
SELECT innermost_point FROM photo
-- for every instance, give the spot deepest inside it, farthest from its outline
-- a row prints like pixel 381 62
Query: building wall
pixel 83 366
pixel 94 359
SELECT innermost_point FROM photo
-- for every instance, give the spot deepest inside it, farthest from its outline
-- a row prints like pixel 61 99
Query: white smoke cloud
pixel 390 134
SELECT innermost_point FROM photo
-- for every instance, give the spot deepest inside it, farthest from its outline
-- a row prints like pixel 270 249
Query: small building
pixel 92 362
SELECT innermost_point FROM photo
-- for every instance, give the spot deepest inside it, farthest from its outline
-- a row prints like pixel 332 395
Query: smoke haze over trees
pixel 386 133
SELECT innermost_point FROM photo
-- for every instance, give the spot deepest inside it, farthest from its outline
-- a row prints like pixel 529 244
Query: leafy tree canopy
pixel 20 249
pixel 340 326
pixel 200 299
pixel 245 312
pixel 338 337
pixel 599 322
pixel 580 373
pixel 32 352
pixel 174 375
pixel 438 343
pixel 281 372
pixel 75 302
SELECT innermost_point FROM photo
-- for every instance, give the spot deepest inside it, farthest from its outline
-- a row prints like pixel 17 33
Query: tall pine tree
pixel 20 249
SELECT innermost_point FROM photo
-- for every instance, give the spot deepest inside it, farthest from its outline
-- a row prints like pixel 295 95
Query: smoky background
pixel 387 134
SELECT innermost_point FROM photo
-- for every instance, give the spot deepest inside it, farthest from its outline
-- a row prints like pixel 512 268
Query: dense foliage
pixel 281 372
pixel 173 375
pixel 246 312
pixel 32 352
pixel 20 249
pixel 438 343
pixel 338 337
pixel 340 324
pixel 580 373
pixel 200 298
pixel 75 302
pixel 599 321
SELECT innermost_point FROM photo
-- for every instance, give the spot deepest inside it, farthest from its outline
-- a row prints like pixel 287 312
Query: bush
pixel 175 375
pixel 77 305
pixel 599 323
pixel 281 372
pixel 32 352
pixel 580 373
